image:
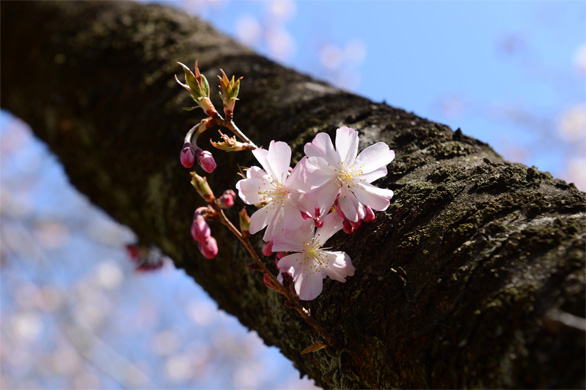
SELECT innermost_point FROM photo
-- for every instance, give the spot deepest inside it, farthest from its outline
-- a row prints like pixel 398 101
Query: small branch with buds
pixel 198 87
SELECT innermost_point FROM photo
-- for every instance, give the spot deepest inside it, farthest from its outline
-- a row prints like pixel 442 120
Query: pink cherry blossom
pixel 312 263
pixel 275 190
pixel 340 172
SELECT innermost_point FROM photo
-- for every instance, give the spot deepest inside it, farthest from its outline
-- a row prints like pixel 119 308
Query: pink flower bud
pixel 200 230
pixel 268 283
pixel 227 199
pixel 187 155
pixel 209 248
pixel 369 215
pixel 348 228
pixel 356 225
pixel 280 255
pixel 338 209
pixel 305 215
pixel 267 249
pixel 206 161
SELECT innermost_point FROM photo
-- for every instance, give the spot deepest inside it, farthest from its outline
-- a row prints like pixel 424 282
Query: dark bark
pixel 471 278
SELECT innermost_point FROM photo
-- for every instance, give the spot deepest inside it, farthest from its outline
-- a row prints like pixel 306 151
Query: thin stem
pixel 189 134
pixel 233 128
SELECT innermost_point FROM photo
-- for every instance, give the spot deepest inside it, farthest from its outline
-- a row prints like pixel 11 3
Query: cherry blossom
pixel 312 263
pixel 341 173
pixel 278 192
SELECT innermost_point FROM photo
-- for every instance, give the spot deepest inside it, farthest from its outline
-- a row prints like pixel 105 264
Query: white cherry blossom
pixel 274 189
pixel 312 263
pixel 332 172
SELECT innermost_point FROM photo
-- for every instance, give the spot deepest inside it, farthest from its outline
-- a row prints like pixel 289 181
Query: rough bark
pixel 474 276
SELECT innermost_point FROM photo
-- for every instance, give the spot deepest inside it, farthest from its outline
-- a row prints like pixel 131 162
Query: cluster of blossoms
pixel 301 208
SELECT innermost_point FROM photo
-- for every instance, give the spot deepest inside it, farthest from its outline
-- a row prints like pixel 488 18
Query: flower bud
pixel 206 161
pixel 202 187
pixel 198 88
pixel 267 248
pixel 200 230
pixel 356 225
pixel 227 199
pixel 339 209
pixel 209 248
pixel 229 93
pixel 244 222
pixel 187 155
pixel 268 283
pixel 348 228
pixel 368 215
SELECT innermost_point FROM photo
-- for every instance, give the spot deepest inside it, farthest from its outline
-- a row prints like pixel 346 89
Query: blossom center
pixel 274 193
pixel 346 176
pixel 314 259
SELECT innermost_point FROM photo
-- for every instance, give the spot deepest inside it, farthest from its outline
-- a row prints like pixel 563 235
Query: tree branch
pixel 455 283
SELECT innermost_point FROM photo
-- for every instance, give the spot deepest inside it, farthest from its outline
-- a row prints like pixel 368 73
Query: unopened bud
pixel 356 225
pixel 187 155
pixel 267 248
pixel 200 230
pixel 198 88
pixel 368 215
pixel 305 215
pixel 280 255
pixel 202 187
pixel 227 199
pixel 268 283
pixel 209 248
pixel 229 93
pixel 348 228
pixel 244 222
pixel 206 161
pixel 339 209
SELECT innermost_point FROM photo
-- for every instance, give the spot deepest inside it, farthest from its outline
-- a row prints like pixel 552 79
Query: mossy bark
pixel 474 276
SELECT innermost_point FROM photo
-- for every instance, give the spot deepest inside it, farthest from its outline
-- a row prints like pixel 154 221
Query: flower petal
pixel 347 144
pixel 374 157
pixel 279 157
pixel 293 240
pixel 339 266
pixel 276 222
pixel 251 190
pixel 261 156
pixel 369 195
pixel 349 204
pixel 308 285
pixel 294 260
pixel 319 170
pixel 374 175
pixel 260 219
pixel 332 224
pixel 322 146
pixel 323 197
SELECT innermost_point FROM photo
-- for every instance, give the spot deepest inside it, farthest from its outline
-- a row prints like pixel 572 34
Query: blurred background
pixel 75 312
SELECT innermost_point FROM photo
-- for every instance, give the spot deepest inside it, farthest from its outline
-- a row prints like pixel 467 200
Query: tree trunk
pixel 473 277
